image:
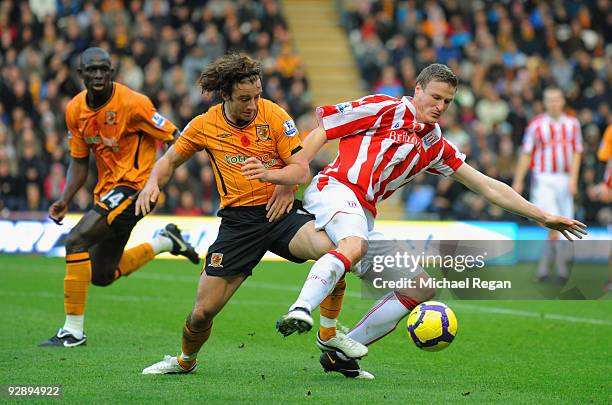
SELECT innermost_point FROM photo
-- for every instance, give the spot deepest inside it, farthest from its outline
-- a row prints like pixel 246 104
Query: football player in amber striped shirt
pixel 256 155
pixel 120 127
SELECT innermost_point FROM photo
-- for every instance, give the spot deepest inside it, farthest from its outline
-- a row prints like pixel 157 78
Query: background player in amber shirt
pixel 603 191
pixel 253 144
pixel 120 127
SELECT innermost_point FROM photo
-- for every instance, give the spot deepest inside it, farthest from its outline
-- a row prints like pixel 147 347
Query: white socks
pixel 321 280
pixel 327 322
pixel 562 256
pixel 547 254
pixel 557 252
pixel 382 318
pixel 161 243
pixel 186 357
pixel 74 325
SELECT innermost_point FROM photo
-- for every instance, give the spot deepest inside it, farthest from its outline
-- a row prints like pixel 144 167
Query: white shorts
pixel 336 198
pixel 388 247
pixel 550 192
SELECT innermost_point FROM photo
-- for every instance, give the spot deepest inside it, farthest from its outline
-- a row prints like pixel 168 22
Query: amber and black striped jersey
pixel 270 137
pixel 121 133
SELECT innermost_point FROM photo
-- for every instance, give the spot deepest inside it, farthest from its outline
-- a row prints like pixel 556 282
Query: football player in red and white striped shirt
pixel 552 146
pixel 384 143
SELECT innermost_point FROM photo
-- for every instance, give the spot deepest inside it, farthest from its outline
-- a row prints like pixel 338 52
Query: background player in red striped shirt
pixel 384 143
pixel 552 146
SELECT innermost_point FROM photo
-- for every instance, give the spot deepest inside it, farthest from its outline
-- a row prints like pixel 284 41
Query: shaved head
pixel 94 54
pixel 96 70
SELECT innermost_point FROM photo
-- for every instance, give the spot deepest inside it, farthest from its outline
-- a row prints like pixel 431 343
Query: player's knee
pixel 75 242
pixel 427 293
pixel 353 247
pixel 202 316
pixel 79 241
pixel 101 280
pixel 424 291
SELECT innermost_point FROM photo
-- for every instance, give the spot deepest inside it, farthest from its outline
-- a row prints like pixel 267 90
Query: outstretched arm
pixel 313 142
pixel 76 177
pixel 161 173
pixel 502 195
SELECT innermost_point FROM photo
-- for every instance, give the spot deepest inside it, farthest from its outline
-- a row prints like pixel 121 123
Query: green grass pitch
pixel 505 352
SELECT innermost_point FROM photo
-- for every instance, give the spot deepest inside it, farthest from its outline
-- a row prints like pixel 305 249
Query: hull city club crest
pixel 216 259
pixel 110 118
pixel 262 132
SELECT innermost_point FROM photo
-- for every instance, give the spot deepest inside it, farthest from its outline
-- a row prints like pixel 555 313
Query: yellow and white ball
pixel 432 326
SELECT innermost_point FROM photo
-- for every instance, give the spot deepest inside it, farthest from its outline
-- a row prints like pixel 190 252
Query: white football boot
pixel 344 344
pixel 169 365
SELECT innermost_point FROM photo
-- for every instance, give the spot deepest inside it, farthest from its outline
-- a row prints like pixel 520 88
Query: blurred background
pixel 316 52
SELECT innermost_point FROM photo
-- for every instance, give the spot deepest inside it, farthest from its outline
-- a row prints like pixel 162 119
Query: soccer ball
pixel 432 326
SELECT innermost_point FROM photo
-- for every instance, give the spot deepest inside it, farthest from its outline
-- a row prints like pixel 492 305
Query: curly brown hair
pixel 220 76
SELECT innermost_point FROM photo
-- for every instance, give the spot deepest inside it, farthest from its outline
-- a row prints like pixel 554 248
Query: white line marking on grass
pixel 297 288
pixel 129 298
pixel 531 314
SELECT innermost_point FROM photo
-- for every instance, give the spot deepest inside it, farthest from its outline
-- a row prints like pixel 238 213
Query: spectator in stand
pixel 389 84
pixel 159 47
pixel 507 53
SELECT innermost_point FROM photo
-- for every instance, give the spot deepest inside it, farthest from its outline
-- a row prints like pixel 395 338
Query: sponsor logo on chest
pixel 93 133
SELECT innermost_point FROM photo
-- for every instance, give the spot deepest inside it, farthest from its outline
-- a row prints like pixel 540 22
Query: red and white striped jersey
pixel 552 143
pixel 382 147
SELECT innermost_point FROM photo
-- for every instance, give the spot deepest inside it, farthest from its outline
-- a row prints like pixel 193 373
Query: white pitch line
pixel 531 314
pixel 462 306
pixel 130 298
pixel 297 288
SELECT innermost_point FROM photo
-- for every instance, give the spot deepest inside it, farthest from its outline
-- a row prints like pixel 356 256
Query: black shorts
pixel 118 206
pixel 245 235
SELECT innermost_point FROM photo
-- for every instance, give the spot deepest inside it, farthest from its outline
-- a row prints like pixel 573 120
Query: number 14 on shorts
pixel 113 198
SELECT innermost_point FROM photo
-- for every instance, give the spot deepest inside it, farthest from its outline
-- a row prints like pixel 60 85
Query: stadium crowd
pixel 505 53
pixel 159 48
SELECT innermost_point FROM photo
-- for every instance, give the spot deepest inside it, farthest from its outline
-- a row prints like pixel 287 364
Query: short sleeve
pixel 604 152
pixel 353 117
pixel 76 143
pixel 285 133
pixel 449 161
pixel 192 138
pixel 147 119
